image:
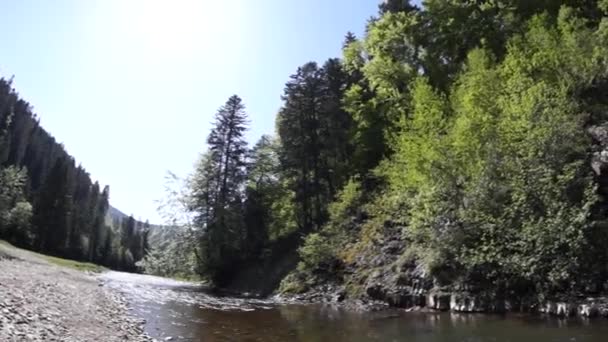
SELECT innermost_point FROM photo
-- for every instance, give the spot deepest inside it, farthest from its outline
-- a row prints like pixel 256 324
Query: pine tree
pixel 228 147
pixel 262 188
pixel 315 134
pixel 91 234
pixel 298 126
pixel 394 6
pixel 217 190
pixel 52 213
pixel 336 128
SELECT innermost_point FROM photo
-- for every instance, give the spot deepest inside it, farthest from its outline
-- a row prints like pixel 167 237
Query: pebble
pixel 41 302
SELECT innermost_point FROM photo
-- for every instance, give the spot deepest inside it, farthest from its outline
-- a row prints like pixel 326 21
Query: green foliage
pixel 381 67
pixel 603 5
pixel 171 262
pixel 12 182
pixel 512 199
pixel 283 221
pixel 420 146
pixel 320 252
pixel 347 201
pixel 487 175
pixel 293 283
pixel 314 133
pixel 216 192
pixel 270 204
pixel 15 211
pixel 19 222
pixel 316 253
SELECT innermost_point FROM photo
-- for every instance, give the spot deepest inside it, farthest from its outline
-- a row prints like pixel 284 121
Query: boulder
pixel 438 301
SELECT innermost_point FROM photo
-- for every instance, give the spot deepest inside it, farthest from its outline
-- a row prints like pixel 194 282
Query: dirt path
pixel 43 302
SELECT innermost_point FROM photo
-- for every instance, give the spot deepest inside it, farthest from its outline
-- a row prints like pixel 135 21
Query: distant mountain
pixel 159 236
pixel 116 214
pixel 115 217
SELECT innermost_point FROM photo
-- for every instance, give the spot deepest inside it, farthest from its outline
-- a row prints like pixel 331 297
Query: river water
pixel 185 313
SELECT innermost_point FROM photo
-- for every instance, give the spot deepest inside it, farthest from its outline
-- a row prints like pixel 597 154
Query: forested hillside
pixel 48 203
pixel 459 146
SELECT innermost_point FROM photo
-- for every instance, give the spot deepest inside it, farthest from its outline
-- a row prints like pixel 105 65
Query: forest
pixel 49 204
pixel 460 144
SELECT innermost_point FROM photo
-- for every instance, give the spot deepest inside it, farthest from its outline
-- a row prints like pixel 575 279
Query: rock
pixel 599 159
pixel 168 338
pixel 438 301
pixel 468 302
pixel 375 291
pixel 599 162
pixel 599 134
pixel 587 310
pixel 339 296
pixel 393 247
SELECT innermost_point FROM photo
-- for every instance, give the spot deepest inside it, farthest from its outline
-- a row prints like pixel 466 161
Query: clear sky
pixel 130 87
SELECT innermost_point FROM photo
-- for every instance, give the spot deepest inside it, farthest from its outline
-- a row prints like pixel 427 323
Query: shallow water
pixel 185 313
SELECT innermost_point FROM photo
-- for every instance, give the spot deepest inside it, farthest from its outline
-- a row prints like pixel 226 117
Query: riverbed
pixel 184 312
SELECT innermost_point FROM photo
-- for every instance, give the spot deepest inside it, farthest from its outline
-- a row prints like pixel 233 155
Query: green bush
pixel 316 253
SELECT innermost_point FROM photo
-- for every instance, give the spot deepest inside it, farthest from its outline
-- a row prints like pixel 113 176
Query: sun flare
pixel 177 26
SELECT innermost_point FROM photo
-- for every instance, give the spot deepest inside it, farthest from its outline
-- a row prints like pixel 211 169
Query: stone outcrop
pixel 599 157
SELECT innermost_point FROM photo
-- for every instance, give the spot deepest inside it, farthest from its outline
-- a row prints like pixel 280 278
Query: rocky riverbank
pixel 458 302
pixel 380 278
pixel 44 302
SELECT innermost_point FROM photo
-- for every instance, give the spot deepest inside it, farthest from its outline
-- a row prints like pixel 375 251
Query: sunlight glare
pixel 176 26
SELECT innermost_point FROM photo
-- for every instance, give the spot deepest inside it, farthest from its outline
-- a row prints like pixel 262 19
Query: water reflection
pixel 319 323
pixel 192 316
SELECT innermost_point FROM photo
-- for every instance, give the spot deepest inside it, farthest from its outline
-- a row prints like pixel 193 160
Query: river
pixel 183 312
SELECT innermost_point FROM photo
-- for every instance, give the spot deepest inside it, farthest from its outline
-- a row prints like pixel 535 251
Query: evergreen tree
pixel 51 214
pixel 315 135
pixel 394 6
pixel 217 190
pixel 336 128
pixel 261 192
pixel 298 126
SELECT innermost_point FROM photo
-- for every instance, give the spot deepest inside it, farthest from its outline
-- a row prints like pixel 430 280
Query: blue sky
pixel 130 87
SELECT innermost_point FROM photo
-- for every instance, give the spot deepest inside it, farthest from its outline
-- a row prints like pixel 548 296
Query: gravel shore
pixel 43 302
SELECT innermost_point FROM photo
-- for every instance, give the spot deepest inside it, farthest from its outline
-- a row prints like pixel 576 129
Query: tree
pixel 175 249
pixel 53 210
pixel 217 190
pixel 228 148
pixel 15 211
pixel 335 128
pixel 298 126
pixel 263 189
pixel 394 6
pixel 315 136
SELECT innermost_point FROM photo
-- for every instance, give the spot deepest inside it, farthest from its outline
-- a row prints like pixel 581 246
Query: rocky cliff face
pixel 382 278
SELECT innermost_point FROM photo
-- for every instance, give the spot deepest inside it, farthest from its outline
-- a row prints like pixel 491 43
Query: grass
pixel 187 278
pixel 19 253
pixel 77 265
